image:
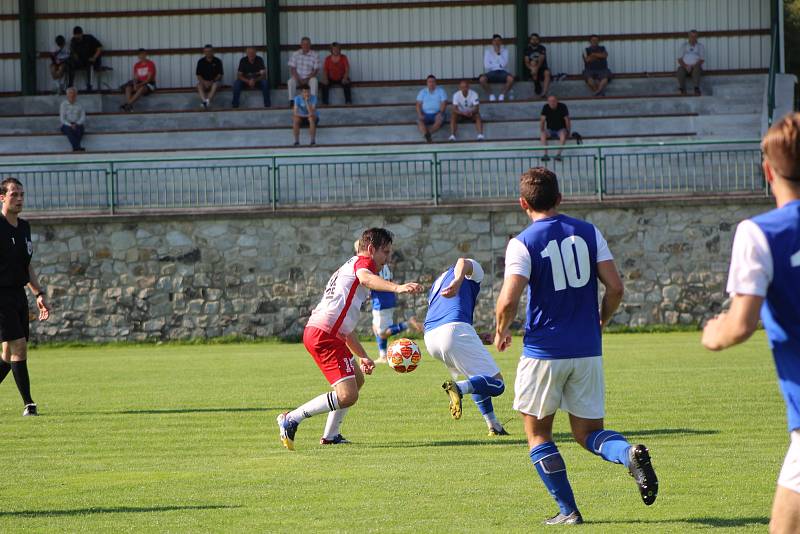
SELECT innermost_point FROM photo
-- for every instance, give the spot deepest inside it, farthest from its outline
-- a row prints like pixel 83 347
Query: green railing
pixel 774 67
pixel 424 176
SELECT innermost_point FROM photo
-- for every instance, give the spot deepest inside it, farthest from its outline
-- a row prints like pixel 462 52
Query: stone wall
pixel 173 277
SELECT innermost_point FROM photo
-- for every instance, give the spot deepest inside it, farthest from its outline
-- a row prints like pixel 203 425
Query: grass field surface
pixel 183 439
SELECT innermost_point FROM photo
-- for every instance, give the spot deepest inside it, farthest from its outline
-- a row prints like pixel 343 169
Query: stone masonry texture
pixel 169 277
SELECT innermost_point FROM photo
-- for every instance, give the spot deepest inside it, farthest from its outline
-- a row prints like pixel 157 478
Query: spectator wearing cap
pixel 495 64
pixel 209 73
pixel 85 54
pixel 73 119
pixel 251 74
pixel 431 103
pixel 304 66
pixel 142 83
pixel 536 63
pixel 595 72
pixel 691 57
pixel 59 56
pixel 336 71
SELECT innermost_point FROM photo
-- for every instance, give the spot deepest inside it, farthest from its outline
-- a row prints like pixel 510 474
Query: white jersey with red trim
pixel 338 311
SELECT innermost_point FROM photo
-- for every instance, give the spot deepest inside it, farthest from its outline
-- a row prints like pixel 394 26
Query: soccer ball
pixel 403 355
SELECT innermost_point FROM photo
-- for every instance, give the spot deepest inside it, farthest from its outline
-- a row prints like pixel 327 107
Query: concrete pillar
pixel 521 32
pixel 271 15
pixel 27 46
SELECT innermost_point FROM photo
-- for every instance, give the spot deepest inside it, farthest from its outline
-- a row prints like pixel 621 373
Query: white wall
pixel 9 44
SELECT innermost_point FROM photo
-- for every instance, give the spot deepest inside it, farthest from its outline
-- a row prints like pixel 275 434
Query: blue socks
pixel 383 344
pixel 485 386
pixel 399 327
pixel 553 472
pixel 484 403
pixel 611 446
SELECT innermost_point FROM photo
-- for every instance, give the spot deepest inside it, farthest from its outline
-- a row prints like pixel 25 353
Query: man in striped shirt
pixel 330 338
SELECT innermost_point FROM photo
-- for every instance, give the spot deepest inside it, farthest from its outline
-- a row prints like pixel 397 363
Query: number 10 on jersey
pixel 569 262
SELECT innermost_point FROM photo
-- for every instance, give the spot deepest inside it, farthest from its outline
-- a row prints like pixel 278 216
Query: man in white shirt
pixel 495 61
pixel 691 57
pixel 465 108
pixel 304 66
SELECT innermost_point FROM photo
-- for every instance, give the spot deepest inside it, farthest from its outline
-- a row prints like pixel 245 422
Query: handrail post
pixel 111 178
pixel 598 172
pixel 274 185
pixel 436 174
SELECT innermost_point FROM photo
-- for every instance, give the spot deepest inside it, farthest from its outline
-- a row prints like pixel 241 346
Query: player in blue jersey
pixel 383 325
pixel 764 280
pixel 450 337
pixel 559 259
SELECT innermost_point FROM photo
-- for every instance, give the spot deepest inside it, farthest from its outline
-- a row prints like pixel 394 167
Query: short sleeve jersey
pixel 143 69
pixel 465 103
pixel 86 47
pixel 765 262
pixel 340 307
pixel 59 54
pixel 535 52
pixel 459 308
pixel 431 101
pixel 335 70
pixel 597 64
pixel 16 250
pixel 559 255
pixel 251 70
pixel 302 109
pixel 209 70
pixel 555 119
pixel 384 300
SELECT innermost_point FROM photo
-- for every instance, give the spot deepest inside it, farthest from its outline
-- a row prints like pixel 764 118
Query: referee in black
pixel 16 272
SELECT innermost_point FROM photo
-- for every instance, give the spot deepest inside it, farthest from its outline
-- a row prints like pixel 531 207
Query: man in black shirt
pixel 209 73
pixel 16 272
pixel 251 73
pixel 554 124
pixel 85 52
pixel 536 62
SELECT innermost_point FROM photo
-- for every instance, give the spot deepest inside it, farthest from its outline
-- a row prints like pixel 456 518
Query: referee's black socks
pixel 20 370
pixel 5 368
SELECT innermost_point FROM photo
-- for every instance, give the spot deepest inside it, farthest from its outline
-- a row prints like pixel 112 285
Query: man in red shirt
pixel 143 82
pixel 336 70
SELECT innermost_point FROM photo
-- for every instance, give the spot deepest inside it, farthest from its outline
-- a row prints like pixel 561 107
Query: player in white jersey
pixel 764 281
pixel 330 338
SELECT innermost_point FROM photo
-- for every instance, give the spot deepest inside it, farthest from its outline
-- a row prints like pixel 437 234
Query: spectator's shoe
pixel 89 89
pixel 291 104
pixel 498 432
pixel 451 388
pixel 572 519
pixel 697 92
pixel 79 149
pixel 428 137
pixel 545 158
pixel 30 410
pixel 501 97
pixel 681 90
pixel 337 440
pixel 348 102
pixel 537 87
pixel 204 104
pixel 492 98
pixel 452 137
pixel 557 158
pixel 641 469
pixel 312 143
pixel 296 143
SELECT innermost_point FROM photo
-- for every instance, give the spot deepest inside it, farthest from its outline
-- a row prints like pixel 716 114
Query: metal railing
pixel 426 176
pixel 774 62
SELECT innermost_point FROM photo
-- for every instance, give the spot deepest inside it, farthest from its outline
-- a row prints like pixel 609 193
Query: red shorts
pixel 331 354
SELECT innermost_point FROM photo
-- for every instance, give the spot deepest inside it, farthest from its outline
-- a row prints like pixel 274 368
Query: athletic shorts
pixel 331 354
pixel 458 346
pixel 382 319
pixel 430 118
pixel 599 74
pixel 554 134
pixel 574 384
pixel 790 472
pixel 14 320
pixel 305 123
pixel 497 76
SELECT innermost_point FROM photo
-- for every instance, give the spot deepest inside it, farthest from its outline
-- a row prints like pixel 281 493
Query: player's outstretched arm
pixel 506 309
pixel 367 365
pixel 462 270
pixel 615 289
pixel 373 281
pixel 735 326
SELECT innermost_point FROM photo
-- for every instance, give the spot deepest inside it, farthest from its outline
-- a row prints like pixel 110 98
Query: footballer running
pixel 331 340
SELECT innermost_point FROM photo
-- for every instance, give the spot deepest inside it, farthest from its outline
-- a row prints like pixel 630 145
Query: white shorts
pixel 574 384
pixel 458 346
pixel 790 472
pixel 382 319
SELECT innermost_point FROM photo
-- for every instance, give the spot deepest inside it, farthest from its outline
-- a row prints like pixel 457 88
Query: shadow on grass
pixel 113 510
pixel 180 411
pixel 716 522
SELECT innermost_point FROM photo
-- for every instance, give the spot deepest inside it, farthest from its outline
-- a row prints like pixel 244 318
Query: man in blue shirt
pixel 451 338
pixel 559 259
pixel 764 280
pixel 431 103
pixel 304 113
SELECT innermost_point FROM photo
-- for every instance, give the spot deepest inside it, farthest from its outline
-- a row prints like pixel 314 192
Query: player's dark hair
pixel 429 77
pixel 377 237
pixel 304 87
pixel 8 181
pixel 534 35
pixel 60 41
pixel 207 46
pixel 305 39
pixel 781 147
pixel 496 36
pixel 77 30
pixel 593 36
pixel 539 187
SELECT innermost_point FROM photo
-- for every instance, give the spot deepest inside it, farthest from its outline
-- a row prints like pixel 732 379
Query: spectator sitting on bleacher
pixel 209 73
pixel 252 73
pixel 495 63
pixel 536 62
pixel 690 63
pixel 554 123
pixel 336 70
pixel 143 81
pixel 596 72
pixel 85 51
pixel 465 108
pixel 72 117
pixel 59 56
pixel 304 66
pixel 431 103
pixel 304 113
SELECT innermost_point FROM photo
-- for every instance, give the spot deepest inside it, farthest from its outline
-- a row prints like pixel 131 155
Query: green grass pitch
pixel 183 439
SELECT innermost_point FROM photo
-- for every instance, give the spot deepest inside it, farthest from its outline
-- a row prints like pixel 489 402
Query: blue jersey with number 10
pixel 563 319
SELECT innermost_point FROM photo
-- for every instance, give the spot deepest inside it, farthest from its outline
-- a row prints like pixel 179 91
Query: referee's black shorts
pixel 14 320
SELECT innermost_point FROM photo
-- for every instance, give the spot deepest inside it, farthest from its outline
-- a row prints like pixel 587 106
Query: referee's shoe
pixel 30 410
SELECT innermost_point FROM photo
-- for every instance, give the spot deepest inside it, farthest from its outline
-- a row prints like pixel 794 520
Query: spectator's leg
pixel 265 92
pixel 213 91
pixel 54 71
pixel 509 84
pixel 562 140
pixel 291 85
pixel 296 128
pixel 201 90
pixel 313 85
pixel 484 81
pixel 237 93
pixel 128 89
pixel 591 83
pixel 70 72
pixel 423 129
pixel 681 74
pixel 602 86
pixel 479 123
pixel 79 133
pixel 348 96
pixel 137 95
pixel 312 129
pixel 325 92
pixel 696 73
pixel 437 124
pixel 546 83
pixel 543 139
pixel 71 137
pixel 453 123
